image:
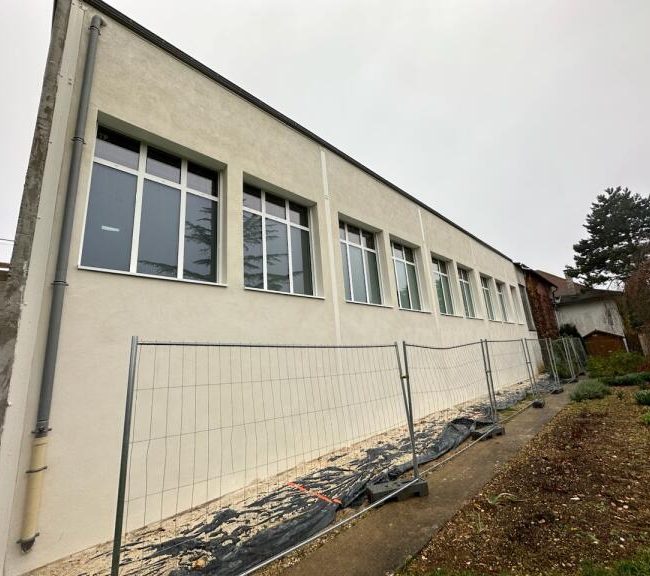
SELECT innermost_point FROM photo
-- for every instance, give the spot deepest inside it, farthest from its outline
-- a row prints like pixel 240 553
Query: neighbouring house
pixel 182 207
pixel 541 296
pixel 593 311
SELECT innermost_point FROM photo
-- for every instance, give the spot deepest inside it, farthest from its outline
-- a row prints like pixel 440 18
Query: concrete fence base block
pixel 496 430
pixel 376 492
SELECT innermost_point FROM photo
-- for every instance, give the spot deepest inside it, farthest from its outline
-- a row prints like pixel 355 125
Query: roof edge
pixel 145 33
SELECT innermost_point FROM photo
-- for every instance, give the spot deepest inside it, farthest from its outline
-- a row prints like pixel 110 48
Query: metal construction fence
pixel 234 455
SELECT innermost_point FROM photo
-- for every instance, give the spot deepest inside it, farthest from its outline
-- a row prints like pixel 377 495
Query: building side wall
pixel 592 315
pixel 542 307
pixel 139 88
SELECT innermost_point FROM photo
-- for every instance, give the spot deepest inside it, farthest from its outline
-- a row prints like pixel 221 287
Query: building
pixel 184 208
pixel 541 296
pixel 594 312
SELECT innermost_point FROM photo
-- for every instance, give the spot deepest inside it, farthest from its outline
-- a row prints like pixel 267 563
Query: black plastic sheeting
pixel 235 540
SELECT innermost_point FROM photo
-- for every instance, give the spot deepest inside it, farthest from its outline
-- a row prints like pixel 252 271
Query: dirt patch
pixel 579 491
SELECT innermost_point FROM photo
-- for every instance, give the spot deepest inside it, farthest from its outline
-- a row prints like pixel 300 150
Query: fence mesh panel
pixel 510 369
pixel 229 443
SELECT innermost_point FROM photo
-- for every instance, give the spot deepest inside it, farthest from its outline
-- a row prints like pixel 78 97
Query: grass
pixel 589 390
pixel 643 397
pixel 638 565
pixel 645 419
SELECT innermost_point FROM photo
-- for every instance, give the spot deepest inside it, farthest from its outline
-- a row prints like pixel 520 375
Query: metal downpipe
pixel 38 459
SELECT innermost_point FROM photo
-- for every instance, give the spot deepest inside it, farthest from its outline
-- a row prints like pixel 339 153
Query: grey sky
pixel 506 116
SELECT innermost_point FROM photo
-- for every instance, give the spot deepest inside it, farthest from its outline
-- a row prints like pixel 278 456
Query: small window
pixel 163 245
pixel 360 265
pixel 527 312
pixel 501 296
pixel 408 291
pixel 443 287
pixel 277 243
pixel 487 296
pixel 466 292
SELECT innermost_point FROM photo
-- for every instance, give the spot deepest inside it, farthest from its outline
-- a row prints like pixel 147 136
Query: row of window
pixel 153 213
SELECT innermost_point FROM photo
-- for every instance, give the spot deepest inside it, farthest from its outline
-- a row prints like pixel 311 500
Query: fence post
pixel 551 359
pixel 126 436
pixel 496 429
pixel 538 402
pixel 408 402
pixel 568 359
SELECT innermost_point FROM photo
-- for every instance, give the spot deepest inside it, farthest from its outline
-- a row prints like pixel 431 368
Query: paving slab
pixel 381 541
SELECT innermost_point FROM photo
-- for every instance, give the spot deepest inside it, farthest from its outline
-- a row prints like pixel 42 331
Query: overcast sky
pixel 508 116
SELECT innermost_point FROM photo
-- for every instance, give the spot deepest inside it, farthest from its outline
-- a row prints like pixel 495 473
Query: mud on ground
pixel 579 491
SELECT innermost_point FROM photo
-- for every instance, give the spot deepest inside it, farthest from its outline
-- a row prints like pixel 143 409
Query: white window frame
pixel 438 276
pixel 514 296
pixel 394 243
pixel 503 301
pixel 486 288
pixel 468 283
pixel 529 319
pixel 287 221
pixel 141 174
pixel 347 243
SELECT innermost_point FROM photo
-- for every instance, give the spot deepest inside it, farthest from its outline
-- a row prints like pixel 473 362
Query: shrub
pixel 634 379
pixel 615 364
pixel 645 419
pixel 643 397
pixel 589 390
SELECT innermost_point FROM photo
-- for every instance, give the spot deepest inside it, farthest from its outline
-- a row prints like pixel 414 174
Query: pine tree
pixel 618 239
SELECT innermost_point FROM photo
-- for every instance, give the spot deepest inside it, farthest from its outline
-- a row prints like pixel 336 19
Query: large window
pixel 515 306
pixel 501 296
pixel 408 292
pixel 487 297
pixel 360 264
pixel 443 287
pixel 466 292
pixel 277 248
pixel 150 212
pixel 526 305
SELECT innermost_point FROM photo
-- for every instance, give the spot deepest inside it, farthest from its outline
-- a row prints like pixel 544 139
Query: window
pixel 501 295
pixel 150 212
pixel 466 292
pixel 514 299
pixel 487 296
pixel 360 264
pixel 443 290
pixel 277 244
pixel 408 293
pixel 527 313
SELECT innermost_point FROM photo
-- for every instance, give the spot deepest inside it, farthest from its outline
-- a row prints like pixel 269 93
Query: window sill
pixel 472 318
pixel 444 315
pixel 368 304
pixel 262 290
pixel 413 310
pixel 151 276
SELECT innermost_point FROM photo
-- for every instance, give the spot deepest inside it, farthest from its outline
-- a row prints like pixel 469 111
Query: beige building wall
pixel 140 89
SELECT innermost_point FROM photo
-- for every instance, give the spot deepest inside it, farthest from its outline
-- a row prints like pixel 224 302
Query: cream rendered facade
pixel 143 91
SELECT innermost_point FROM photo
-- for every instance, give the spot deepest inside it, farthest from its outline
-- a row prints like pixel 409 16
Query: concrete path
pixel 382 540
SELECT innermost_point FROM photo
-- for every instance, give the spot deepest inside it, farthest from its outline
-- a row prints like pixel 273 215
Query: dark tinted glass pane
pixel 164 165
pixel 200 252
pixel 397 251
pixel 368 240
pixel 373 278
pixel 298 214
pixel 408 254
pixel 202 179
pixel 277 256
pixel 415 290
pixel 301 261
pixel 358 277
pixel 158 248
pixel 341 231
pixel 253 266
pixel 275 206
pixel 354 235
pixel 117 148
pixel 441 295
pixel 346 278
pixel 252 197
pixel 109 221
pixel 402 286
